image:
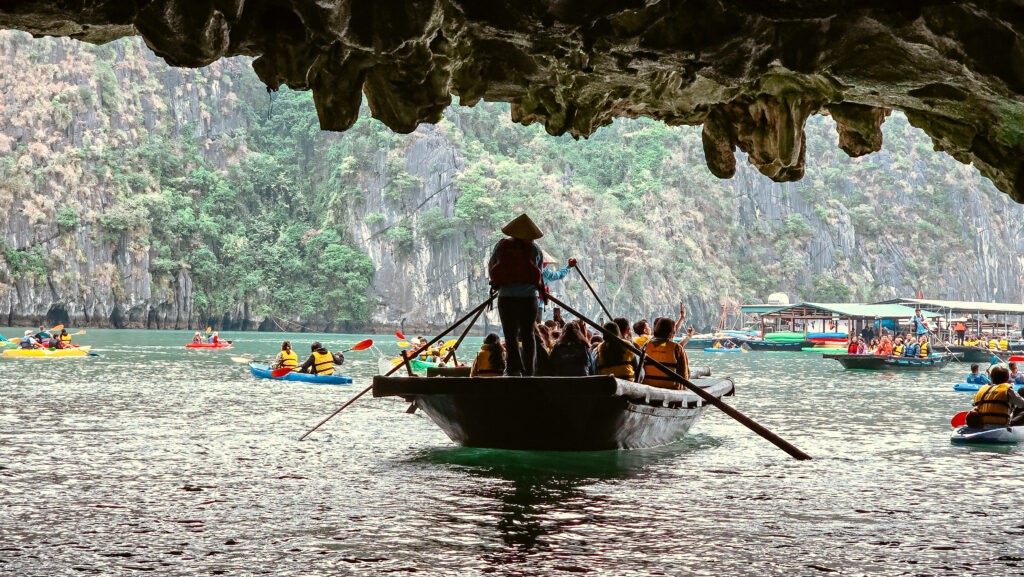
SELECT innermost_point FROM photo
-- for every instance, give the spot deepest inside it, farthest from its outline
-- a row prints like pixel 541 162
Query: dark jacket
pixel 569 361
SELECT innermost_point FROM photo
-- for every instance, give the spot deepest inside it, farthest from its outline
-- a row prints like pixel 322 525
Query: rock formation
pixel 750 72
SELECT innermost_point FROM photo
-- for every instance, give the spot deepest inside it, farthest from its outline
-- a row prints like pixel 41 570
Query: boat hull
pixel 723 350
pixel 46 353
pixel 263 372
pixel 774 346
pixel 553 413
pixel 208 346
pixel 1000 436
pixel 879 363
pixel 971 354
pixel 974 387
pixel 708 343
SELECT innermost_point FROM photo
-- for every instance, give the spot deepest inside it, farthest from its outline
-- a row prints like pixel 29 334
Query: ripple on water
pixel 154 458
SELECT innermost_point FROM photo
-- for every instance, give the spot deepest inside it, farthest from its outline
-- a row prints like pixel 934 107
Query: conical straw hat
pixel 547 258
pixel 522 228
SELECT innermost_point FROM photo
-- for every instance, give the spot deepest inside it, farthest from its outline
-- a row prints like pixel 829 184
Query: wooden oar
pixel 695 389
pixel 586 282
pixel 361 345
pixel 405 362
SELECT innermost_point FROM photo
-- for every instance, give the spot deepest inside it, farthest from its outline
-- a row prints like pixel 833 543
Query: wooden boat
pixel 971 354
pixel 553 413
pixel 880 363
pixel 776 346
pixel 707 343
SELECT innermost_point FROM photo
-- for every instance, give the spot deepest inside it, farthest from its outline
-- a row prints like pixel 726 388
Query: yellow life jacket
pixel 621 366
pixel 897 351
pixel 925 352
pixel 65 339
pixel 483 367
pixel 323 363
pixel 289 359
pixel 668 353
pixel 992 344
pixel 639 341
pixel 993 402
pixel 1003 344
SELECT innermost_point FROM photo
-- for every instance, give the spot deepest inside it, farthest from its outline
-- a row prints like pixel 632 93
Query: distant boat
pixel 880 363
pixel 553 413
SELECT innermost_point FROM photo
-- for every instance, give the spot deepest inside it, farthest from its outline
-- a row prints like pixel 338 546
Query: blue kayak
pixel 973 387
pixel 263 372
pixel 720 350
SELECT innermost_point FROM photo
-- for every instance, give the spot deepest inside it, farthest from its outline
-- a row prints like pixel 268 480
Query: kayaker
pixel 28 341
pixel 42 336
pixel 977 377
pixel 321 361
pixel 993 404
pixel 663 349
pixel 1015 377
pixel 569 356
pixel 614 359
pixel 215 339
pixel 65 339
pixel 515 273
pixel 197 338
pixel 53 342
pixel 960 329
pixel 286 358
pixel 490 361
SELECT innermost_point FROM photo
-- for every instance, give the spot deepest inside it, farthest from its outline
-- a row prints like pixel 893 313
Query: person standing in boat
pixel 920 325
pixel 549 276
pixel 515 273
pixel 666 351
pixel 321 361
pixel 960 329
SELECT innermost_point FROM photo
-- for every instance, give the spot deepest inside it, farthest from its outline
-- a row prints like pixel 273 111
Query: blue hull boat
pixel 263 372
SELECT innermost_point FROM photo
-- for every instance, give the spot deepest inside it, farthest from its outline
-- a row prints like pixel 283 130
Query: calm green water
pixel 152 457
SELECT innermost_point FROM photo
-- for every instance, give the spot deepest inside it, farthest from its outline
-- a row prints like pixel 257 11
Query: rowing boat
pixel 999 436
pixel 554 413
pixel 263 372
pixel 880 363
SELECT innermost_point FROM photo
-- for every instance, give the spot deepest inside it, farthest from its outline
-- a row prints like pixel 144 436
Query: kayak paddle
pixel 959 420
pixel 241 360
pixel 400 335
pixel 403 344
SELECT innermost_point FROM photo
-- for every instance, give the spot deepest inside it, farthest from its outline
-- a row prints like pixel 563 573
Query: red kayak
pixel 220 345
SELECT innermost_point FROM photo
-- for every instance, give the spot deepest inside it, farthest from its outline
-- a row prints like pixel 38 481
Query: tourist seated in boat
pixel 570 356
pixel 215 338
pixel 595 341
pixel 1015 377
pixel 897 347
pixel 42 336
pixel 321 361
pixel 994 404
pixel 28 341
pixel 490 361
pixel 612 358
pixel 923 350
pixel 53 342
pixel 641 332
pixel 65 339
pixel 728 344
pixel 862 346
pixel 666 351
pixel 993 344
pixel 624 328
pixel 287 358
pixel 884 347
pixel 912 349
pixel 542 338
pixel 873 345
pixel 197 338
pixel 853 346
pixel 977 377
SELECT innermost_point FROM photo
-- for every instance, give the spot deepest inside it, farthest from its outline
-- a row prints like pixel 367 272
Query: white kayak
pixel 1001 436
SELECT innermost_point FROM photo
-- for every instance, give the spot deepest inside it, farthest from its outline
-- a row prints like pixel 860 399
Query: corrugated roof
pixel 885 311
pixel 755 309
pixel 967 306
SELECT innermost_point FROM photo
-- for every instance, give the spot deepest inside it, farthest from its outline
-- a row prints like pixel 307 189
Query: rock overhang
pixel 750 72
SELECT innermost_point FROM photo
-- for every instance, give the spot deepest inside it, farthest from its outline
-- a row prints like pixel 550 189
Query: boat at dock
pixel 590 413
pixel 881 363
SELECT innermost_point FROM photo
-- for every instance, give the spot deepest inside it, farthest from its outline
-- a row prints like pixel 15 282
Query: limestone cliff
pixel 140 195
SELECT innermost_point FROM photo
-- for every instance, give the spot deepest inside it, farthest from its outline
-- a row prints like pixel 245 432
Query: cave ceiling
pixel 750 71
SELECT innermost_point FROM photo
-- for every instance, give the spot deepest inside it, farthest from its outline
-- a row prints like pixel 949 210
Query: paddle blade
pixel 1016 359
pixel 208 329
pixel 449 343
pixel 400 335
pixel 57 328
pixel 404 344
pixel 81 332
pixel 241 360
pixel 362 345
pixel 959 420
pixel 280 372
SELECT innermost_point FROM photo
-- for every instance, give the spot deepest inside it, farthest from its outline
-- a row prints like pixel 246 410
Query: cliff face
pixel 143 196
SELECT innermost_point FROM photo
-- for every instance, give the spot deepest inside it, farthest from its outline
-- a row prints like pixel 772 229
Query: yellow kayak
pixel 75 352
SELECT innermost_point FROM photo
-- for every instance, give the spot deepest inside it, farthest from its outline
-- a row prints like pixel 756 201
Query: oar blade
pixel 277 373
pixel 57 328
pixel 362 345
pixel 959 420
pixel 403 345
pixel 400 335
pixel 241 360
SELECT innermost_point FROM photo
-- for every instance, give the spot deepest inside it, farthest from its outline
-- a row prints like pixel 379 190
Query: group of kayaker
pixel 517 273
pixel 976 377
pixel 319 362
pixel 213 338
pixel 45 339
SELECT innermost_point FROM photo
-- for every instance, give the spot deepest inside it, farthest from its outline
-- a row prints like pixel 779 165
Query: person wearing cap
pixel 515 273
pixel 27 341
pixel 549 276
pixel 321 361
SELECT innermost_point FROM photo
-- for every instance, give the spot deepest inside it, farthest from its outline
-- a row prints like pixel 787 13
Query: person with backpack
pixel 515 273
